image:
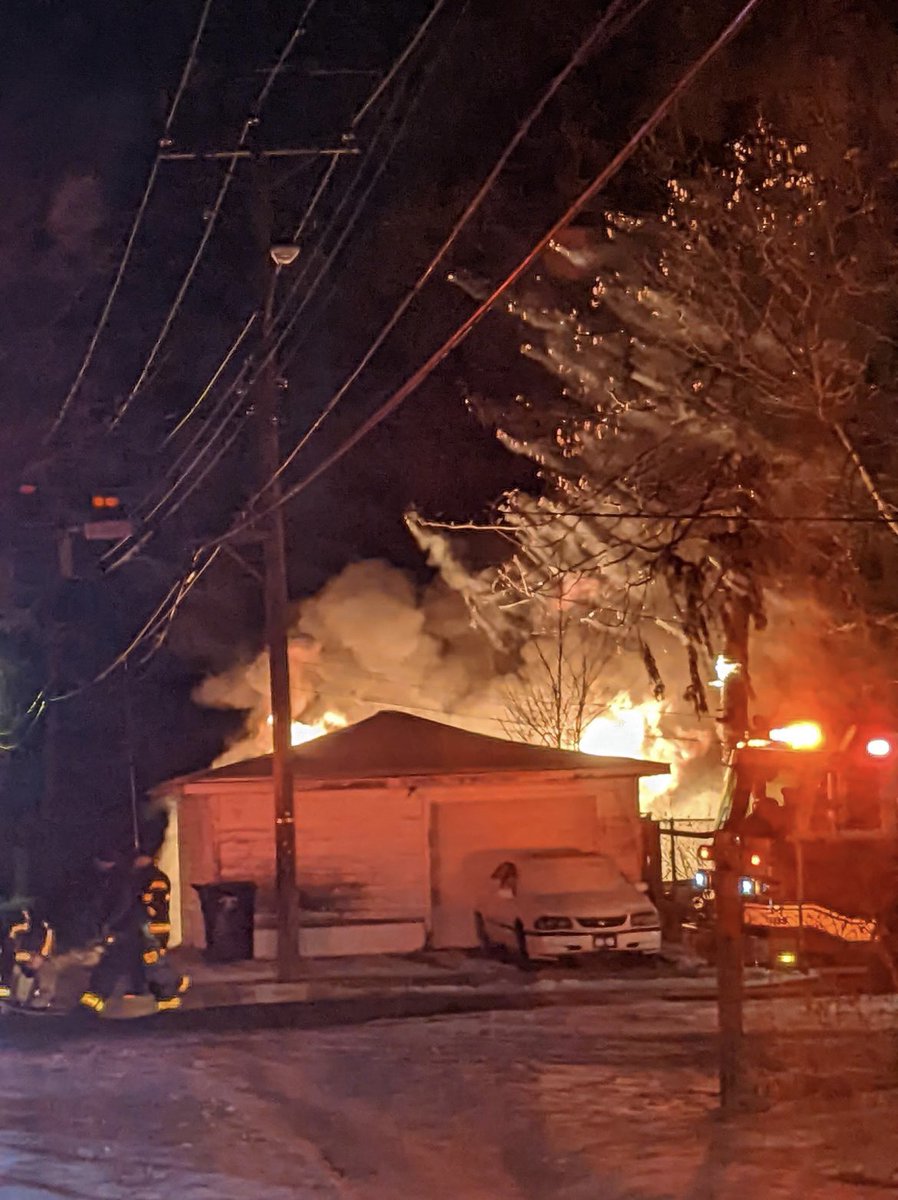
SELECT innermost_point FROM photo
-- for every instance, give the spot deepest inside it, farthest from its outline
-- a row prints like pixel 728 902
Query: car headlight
pixel 644 920
pixel 547 924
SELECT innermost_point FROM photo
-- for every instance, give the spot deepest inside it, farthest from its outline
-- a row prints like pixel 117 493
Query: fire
pixel 628 730
pixel 724 668
pixel 300 733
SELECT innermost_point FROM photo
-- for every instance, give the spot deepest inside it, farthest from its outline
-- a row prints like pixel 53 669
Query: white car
pixel 552 904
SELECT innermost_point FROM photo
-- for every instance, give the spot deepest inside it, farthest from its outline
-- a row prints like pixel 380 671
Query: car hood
pixel 614 903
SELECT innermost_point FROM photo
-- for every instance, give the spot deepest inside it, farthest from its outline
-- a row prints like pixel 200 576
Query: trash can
pixel 228 915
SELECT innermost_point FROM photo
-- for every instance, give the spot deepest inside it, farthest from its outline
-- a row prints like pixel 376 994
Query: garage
pixel 395 817
pixel 470 839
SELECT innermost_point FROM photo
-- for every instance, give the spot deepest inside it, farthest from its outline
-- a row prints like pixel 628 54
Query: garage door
pixel 463 834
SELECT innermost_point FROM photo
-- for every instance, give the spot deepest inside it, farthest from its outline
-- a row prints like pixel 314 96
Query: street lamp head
pixel 284 253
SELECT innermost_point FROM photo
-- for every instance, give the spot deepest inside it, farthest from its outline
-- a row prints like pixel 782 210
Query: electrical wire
pixel 212 218
pixel 163 612
pixel 645 515
pixel 135 224
pixel 323 183
pixel 346 230
pixel 593 188
pixel 604 28
pixel 128 545
pixel 348 226
pixel 159 622
pixel 216 375
pixel 399 63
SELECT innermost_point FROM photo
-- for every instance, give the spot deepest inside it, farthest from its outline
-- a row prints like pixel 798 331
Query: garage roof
pixel 391 744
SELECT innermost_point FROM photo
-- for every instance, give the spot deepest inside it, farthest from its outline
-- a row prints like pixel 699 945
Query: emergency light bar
pixel 800 735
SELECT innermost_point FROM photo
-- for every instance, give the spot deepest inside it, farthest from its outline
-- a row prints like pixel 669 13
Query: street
pixel 616 1101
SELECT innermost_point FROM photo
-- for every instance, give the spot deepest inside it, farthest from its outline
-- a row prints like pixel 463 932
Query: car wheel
pixel 483 937
pixel 523 952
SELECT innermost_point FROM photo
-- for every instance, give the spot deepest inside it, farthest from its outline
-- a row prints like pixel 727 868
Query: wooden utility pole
pixel 728 903
pixel 728 871
pixel 267 400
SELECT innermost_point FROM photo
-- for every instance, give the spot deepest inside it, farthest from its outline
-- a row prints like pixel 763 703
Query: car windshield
pixel 574 873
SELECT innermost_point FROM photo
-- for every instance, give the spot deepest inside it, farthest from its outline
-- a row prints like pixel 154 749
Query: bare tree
pixel 559 688
pixel 726 362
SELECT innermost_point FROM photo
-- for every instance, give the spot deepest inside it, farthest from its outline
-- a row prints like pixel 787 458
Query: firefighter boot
pixel 90 1000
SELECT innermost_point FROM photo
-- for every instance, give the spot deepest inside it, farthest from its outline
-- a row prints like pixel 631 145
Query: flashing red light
pixel 104 501
pixel 879 747
pixel 27 489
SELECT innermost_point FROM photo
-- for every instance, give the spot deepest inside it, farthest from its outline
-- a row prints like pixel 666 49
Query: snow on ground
pixel 616 1102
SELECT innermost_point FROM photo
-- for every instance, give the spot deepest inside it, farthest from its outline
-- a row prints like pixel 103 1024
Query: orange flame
pixel 300 733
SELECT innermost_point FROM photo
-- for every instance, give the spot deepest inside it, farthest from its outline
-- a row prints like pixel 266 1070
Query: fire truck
pixel 816 827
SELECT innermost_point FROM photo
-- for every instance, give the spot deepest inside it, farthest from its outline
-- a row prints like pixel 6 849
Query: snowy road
pixel 605 1103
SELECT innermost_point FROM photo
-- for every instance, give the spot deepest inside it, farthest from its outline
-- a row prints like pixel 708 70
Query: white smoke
pixel 373 639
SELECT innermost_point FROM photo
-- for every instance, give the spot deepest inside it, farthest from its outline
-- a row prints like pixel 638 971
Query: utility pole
pixel 728 871
pixel 266 397
pixel 267 400
pixel 728 902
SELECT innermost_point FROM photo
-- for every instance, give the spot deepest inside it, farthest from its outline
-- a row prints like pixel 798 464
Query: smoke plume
pixel 373 639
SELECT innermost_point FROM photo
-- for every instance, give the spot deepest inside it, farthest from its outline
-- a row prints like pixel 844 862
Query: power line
pixel 216 375
pixel 601 179
pixel 399 63
pixel 239 151
pixel 605 25
pixel 240 380
pixel 240 383
pixel 159 621
pixel 328 173
pixel 163 612
pixel 349 225
pixel 646 515
pixel 211 220
pixel 136 223
pixel 587 46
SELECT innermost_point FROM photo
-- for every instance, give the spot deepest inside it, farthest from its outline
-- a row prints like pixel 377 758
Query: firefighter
pixel 28 943
pixel 14 950
pixel 166 985
pixel 156 898
pixel 120 918
pixel 765 820
pixel 34 974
